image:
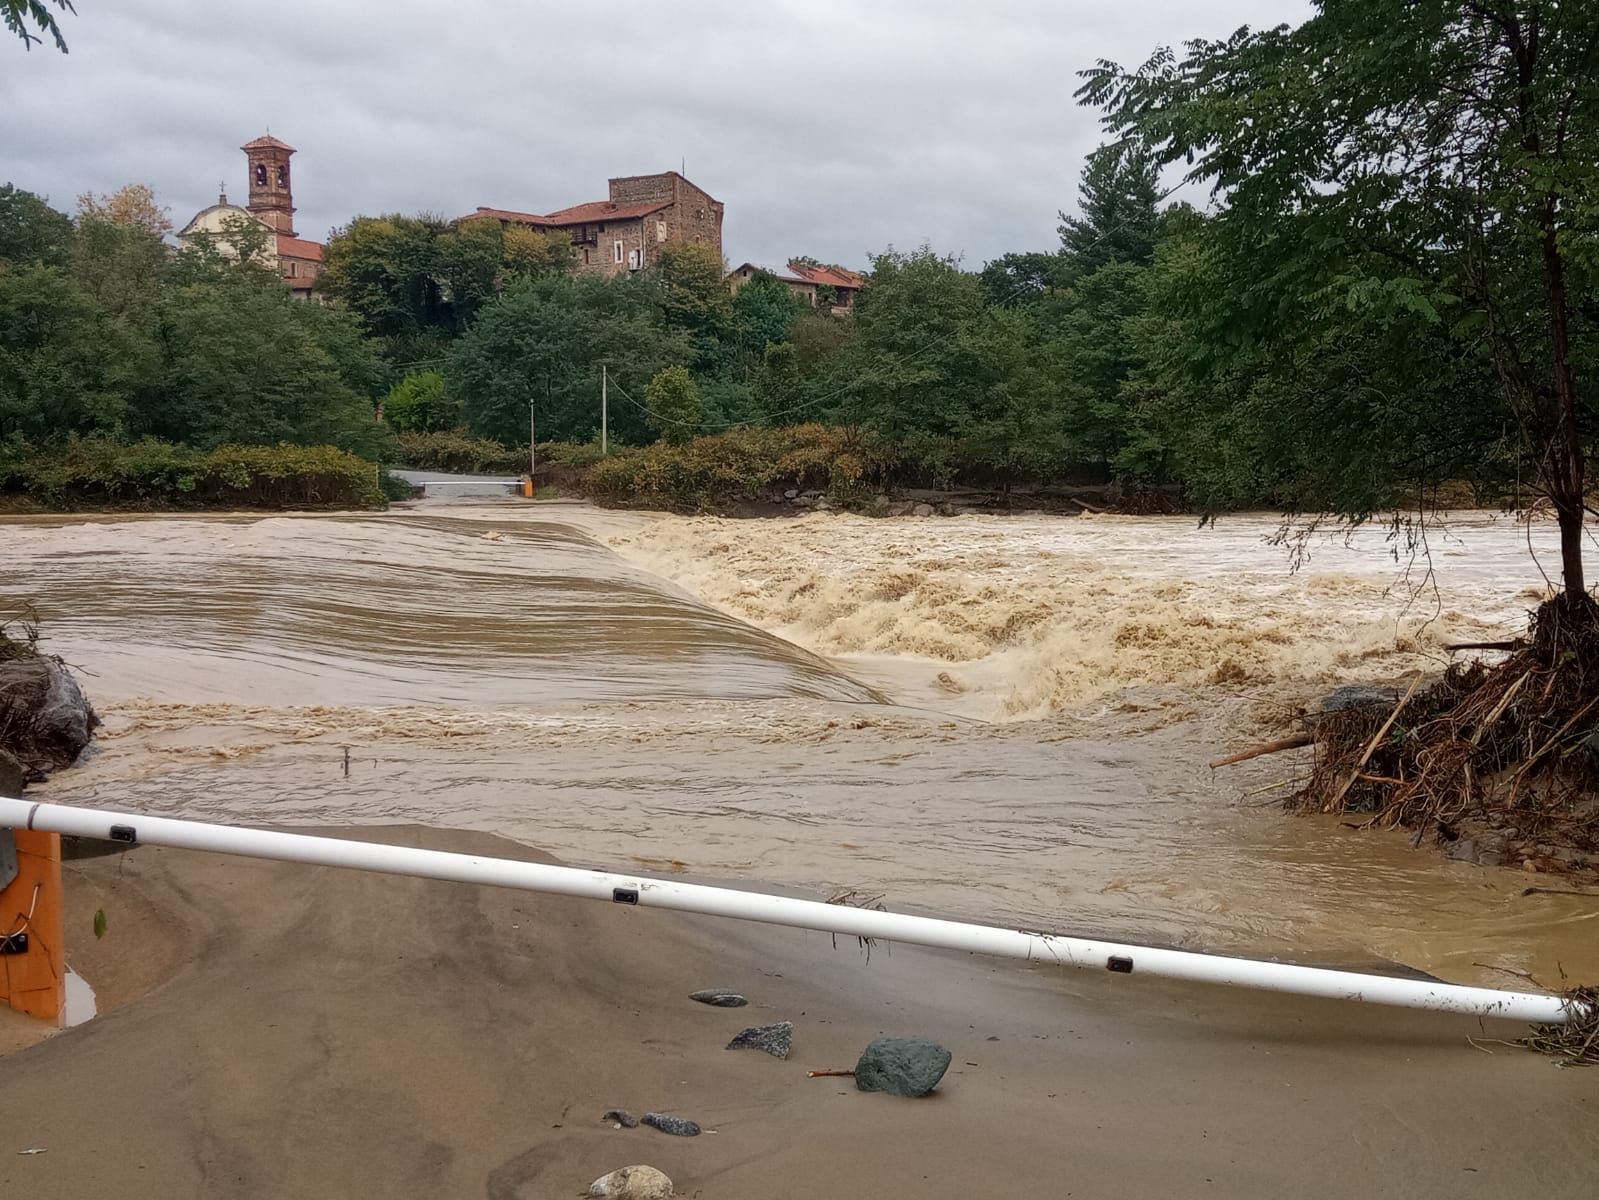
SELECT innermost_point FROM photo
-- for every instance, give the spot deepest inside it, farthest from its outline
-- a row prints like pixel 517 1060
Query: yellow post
pixel 34 981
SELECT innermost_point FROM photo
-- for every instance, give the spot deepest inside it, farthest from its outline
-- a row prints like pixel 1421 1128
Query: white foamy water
pixel 1016 617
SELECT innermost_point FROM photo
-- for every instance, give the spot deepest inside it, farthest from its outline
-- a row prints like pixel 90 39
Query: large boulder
pixel 45 720
pixel 901 1066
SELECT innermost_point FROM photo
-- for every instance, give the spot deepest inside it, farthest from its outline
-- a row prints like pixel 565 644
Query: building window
pixel 260 174
pixel 283 176
pixel 618 251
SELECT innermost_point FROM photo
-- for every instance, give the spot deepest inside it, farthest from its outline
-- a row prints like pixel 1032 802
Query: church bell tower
pixel 271 198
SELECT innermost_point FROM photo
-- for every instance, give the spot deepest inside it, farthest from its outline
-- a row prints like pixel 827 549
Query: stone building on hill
pixel 814 283
pixel 625 231
pixel 271 209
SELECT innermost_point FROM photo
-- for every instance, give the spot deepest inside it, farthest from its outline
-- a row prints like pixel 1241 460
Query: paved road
pixel 458 485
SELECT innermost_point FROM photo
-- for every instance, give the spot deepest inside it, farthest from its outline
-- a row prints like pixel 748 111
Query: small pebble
pixel 777 1040
pixel 677 1126
pixel 621 1116
pixel 719 998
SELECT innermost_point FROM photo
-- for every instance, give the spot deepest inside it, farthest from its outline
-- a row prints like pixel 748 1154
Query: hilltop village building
pixel 271 209
pixel 809 281
pixel 625 231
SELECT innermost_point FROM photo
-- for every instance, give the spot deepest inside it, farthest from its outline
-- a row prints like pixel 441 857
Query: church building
pixel 271 208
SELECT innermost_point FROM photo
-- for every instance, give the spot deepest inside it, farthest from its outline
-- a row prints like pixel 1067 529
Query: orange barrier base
pixel 35 982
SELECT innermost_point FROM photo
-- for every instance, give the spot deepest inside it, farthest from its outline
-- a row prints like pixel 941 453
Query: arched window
pixel 260 174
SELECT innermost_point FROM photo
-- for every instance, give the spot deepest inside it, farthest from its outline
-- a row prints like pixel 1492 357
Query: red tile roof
pixel 267 143
pixel 603 210
pixel 505 214
pixel 578 214
pixel 827 276
pixel 293 247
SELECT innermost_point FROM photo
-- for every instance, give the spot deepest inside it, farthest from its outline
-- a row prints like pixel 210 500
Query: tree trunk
pixel 1566 472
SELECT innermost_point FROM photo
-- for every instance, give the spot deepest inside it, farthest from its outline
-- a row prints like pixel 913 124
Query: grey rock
pixel 777 1040
pixel 676 1126
pixel 823 505
pixel 633 1183
pixel 901 1066
pixel 923 510
pixel 620 1116
pixel 13 776
pixel 47 718
pixel 1359 696
pixel 719 998
pixel 791 494
pixel 1463 850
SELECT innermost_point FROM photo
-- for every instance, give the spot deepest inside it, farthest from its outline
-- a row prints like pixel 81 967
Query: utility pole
pixel 605 404
pixel 532 452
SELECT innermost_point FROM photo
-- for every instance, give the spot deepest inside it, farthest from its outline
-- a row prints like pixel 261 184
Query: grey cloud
pixel 829 128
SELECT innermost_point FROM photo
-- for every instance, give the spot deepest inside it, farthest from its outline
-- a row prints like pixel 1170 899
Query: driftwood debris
pixel 1513 644
pixel 1292 742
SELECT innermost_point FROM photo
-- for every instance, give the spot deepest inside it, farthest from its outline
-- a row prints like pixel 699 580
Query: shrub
pixel 418 404
pixel 99 472
pixel 742 465
pixel 456 452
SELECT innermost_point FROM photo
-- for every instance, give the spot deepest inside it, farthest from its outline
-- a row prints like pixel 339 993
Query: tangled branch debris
pixel 1505 752
pixel 1577 1041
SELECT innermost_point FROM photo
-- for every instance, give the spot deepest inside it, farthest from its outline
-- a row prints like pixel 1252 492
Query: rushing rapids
pixel 999 719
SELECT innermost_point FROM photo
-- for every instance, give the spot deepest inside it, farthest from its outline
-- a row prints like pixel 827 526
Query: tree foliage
pixel 1417 175
pixel 23 17
pixel 542 344
pixel 674 404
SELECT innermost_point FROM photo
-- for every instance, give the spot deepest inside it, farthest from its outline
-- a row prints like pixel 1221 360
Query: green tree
pixel 536 254
pixel 1023 278
pixel 389 272
pixel 928 357
pixel 31 231
pixel 63 363
pixel 243 361
pixel 674 404
pixel 118 251
pixel 1431 165
pixel 545 342
pixel 1117 200
pixel 19 14
pixel 420 403
pixel 763 312
pixel 694 298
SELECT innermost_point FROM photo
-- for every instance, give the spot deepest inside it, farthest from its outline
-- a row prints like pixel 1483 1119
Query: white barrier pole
pixel 781 910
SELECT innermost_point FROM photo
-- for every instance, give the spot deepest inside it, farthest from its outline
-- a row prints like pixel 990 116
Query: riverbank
pixel 330 1032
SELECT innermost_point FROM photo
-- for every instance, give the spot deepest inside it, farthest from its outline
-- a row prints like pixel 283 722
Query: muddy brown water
pixel 999 719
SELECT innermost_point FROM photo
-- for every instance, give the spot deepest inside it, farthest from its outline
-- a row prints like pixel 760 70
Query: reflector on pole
pixel 782 910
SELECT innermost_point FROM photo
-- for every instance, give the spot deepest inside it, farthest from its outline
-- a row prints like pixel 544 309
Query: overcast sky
pixel 833 128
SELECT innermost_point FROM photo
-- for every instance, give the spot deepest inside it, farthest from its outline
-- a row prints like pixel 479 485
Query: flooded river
pixel 997 718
